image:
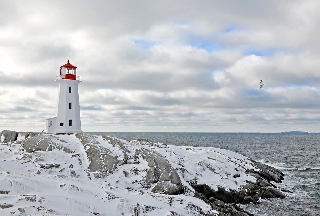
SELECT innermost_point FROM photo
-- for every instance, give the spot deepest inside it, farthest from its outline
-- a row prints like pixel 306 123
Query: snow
pixel 211 166
pixel 59 183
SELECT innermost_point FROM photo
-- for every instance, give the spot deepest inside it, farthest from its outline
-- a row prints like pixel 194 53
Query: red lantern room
pixel 68 71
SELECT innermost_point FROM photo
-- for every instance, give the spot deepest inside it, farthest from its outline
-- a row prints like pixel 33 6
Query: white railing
pixel 60 77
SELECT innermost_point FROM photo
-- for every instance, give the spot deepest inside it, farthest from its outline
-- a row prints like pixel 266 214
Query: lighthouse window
pixel 69 105
pixel 50 124
pixel 61 124
pixel 69 89
pixel 70 122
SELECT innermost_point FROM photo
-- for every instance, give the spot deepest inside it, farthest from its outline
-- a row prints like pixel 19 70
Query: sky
pixel 164 66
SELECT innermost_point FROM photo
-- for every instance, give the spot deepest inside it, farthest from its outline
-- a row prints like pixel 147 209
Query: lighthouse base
pixel 53 128
pixel 67 132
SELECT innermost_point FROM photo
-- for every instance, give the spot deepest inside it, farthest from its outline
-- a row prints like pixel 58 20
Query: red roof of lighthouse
pixel 68 65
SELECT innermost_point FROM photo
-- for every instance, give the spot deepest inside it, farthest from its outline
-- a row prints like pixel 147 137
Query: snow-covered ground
pixel 63 179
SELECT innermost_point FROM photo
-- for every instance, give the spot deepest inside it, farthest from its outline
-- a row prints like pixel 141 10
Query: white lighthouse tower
pixel 68 117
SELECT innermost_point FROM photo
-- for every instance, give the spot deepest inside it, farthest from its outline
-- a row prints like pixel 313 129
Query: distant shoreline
pixel 295 132
pixel 283 132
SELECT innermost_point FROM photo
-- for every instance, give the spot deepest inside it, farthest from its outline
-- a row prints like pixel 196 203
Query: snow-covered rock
pixel 8 136
pixel 98 175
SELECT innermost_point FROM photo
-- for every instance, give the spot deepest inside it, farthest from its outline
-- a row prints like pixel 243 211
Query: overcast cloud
pixel 164 65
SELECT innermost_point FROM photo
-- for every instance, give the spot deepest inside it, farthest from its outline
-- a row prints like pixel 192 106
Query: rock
pixel 166 187
pixel 30 198
pixel 73 173
pixel 5 205
pixel 241 196
pixel 226 209
pixel 212 199
pixel 154 172
pixel 37 143
pixel 272 193
pixel 262 182
pixel 49 166
pixel 205 190
pixel 236 175
pixel 8 136
pixel 219 203
pixel 223 200
pixel 268 173
pixel 255 198
pixel 21 210
pixel 161 172
pixel 42 143
pixel 101 159
pixel 126 174
pixel 23 135
pixel 247 199
pixel 32 134
pixel 277 193
pixel 4 192
pixel 220 194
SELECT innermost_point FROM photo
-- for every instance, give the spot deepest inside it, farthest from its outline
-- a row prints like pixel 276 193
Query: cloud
pixel 163 66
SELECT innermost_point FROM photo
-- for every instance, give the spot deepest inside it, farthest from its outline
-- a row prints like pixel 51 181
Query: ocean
pixel 296 155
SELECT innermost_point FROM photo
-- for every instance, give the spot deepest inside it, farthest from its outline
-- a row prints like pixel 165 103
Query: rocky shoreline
pixel 165 170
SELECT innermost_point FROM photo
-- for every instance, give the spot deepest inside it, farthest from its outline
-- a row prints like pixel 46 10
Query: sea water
pixel 296 155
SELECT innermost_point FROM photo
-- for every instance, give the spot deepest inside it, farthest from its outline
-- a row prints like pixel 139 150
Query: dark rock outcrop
pixel 251 192
pixel 224 200
pixel 267 172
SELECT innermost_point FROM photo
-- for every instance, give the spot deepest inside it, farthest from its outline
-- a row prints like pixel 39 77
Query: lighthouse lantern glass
pixel 63 71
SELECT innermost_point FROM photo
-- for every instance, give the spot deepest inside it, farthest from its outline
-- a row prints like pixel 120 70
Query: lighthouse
pixel 68 116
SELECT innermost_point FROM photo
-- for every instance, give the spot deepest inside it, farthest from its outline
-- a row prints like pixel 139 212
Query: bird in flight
pixel 261 84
